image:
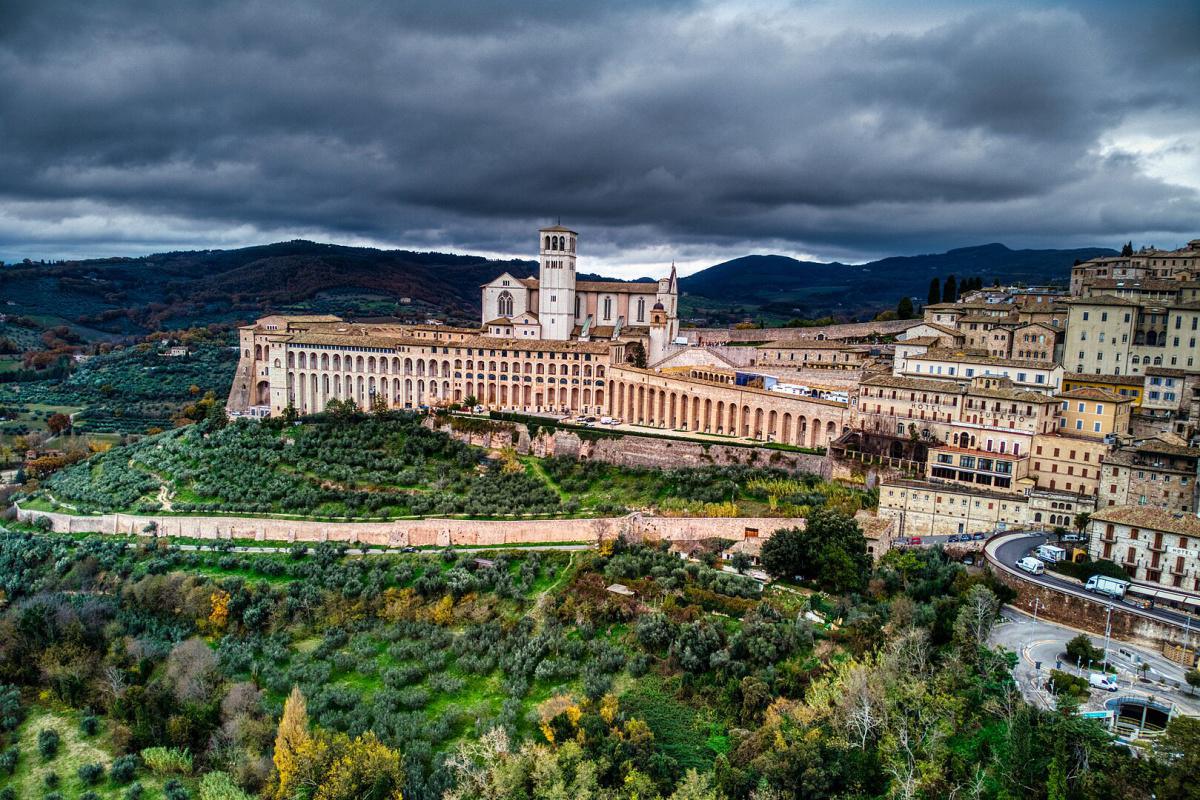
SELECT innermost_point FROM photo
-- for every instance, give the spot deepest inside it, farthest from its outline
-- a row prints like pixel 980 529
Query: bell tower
pixel 556 281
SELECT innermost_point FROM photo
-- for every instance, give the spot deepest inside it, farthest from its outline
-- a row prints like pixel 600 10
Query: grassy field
pixel 76 750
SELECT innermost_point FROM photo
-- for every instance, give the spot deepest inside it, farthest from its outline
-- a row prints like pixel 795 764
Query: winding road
pixel 1004 550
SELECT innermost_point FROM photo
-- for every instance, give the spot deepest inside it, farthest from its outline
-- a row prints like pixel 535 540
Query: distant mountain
pixel 170 290
pixel 129 296
pixel 771 280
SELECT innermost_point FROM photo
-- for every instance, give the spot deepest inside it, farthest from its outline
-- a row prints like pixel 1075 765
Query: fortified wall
pixel 421 532
pixel 628 450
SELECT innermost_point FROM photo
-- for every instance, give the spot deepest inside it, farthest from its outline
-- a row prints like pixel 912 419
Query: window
pixel 505 304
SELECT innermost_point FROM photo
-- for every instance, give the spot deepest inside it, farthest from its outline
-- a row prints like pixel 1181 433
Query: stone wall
pixel 422 532
pixel 844 331
pixel 631 450
pixel 1090 615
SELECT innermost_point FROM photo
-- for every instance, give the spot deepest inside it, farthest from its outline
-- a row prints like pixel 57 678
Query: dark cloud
pixel 133 124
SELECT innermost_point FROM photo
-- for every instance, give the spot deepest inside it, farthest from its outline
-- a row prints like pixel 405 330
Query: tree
pixel 1192 676
pixel 216 417
pixel 635 354
pixel 1081 650
pixel 1127 249
pixel 57 423
pixel 363 769
pixel 975 620
pixel 904 309
pixel 293 744
pixel 830 552
pixel 935 291
pixel 1180 752
pixel 950 290
pixel 1081 520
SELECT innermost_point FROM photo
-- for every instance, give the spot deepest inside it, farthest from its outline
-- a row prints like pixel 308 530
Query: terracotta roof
pixel 980 357
pixel 1169 372
pixel 920 340
pixel 813 344
pixel 1112 380
pixel 1101 300
pixel 1093 393
pixel 557 229
pixel 920 384
pixel 615 287
pixel 1150 518
pixel 1135 283
pixel 1019 395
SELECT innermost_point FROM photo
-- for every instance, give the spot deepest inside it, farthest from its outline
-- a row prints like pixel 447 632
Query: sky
pixel 667 131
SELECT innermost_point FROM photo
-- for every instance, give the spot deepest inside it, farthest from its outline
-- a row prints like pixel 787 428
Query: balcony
pixel 1156 547
pixel 1110 538
pixel 1175 569
pixel 1129 561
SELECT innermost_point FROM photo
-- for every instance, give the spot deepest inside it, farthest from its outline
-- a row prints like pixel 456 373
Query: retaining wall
pixel 423 532
pixel 1090 614
pixel 631 450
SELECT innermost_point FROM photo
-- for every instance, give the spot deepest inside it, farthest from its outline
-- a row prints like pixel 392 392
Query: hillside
pixel 106 298
pixel 121 296
pixel 779 285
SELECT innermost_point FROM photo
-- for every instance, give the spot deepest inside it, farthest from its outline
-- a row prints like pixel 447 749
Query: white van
pixel 1102 681
pixel 1051 554
pixel 1031 565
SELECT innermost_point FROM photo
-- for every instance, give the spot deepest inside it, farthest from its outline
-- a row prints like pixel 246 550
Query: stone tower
pixel 659 332
pixel 556 281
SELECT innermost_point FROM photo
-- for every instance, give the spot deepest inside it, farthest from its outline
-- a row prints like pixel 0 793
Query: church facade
pixel 555 306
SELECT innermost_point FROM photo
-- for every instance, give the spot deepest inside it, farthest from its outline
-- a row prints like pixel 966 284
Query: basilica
pixel 545 344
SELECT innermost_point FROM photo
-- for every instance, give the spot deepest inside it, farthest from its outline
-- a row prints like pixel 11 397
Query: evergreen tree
pixel 1127 250
pixel 935 291
pixel 950 290
pixel 904 310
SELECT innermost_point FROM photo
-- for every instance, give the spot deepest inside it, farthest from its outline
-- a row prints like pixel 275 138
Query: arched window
pixel 641 309
pixel 608 308
pixel 547 242
pixel 506 304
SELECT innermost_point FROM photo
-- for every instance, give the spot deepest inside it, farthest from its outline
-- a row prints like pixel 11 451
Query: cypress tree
pixel 935 291
pixel 950 290
pixel 904 310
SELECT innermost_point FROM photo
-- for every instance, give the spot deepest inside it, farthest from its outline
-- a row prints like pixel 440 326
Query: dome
pixel 658 307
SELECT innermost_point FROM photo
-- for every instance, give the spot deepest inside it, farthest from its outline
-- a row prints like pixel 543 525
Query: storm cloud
pixel 670 130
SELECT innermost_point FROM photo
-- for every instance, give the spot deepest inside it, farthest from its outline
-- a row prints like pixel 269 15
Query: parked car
pixel 1074 537
pixel 478 409
pixel 979 536
pixel 914 540
pixel 952 538
pixel 1102 681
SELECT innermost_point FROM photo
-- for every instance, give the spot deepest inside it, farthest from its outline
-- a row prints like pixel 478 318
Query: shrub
pixel 174 790
pixel 48 741
pixel 8 793
pixel 9 759
pixel 91 774
pixel 11 711
pixel 167 760
pixel 89 796
pixel 219 786
pixel 1063 683
pixel 123 769
pixel 89 725
pixel 134 792
pixel 51 780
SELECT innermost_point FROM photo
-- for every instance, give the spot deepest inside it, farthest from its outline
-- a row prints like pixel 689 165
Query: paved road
pixel 1043 641
pixel 1005 551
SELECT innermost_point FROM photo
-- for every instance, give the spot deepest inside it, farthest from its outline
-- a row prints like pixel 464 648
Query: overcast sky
pixel 676 130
